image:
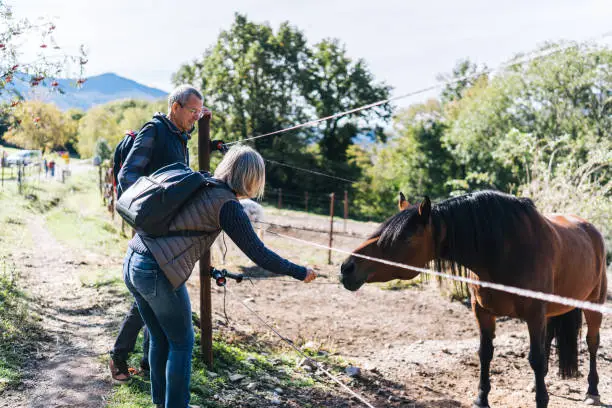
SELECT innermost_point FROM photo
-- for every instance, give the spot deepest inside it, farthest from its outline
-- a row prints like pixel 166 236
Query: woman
pixel 156 269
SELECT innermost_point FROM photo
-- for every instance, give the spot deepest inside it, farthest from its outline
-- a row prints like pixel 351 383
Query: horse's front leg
pixel 486 322
pixel 537 355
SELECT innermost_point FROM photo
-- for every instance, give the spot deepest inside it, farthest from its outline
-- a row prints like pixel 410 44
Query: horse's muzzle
pixel 347 267
pixel 347 277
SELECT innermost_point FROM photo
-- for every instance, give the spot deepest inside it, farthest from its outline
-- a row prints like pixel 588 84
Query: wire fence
pixel 317 364
pixel 547 297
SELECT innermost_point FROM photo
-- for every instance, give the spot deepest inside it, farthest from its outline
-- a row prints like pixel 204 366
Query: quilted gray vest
pixel 177 256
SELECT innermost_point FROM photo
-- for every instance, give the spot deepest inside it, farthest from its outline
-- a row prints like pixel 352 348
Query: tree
pixel 98 123
pixel 249 78
pixel 413 160
pixel 135 117
pixel 73 116
pixel 258 80
pixel 102 150
pixel 464 75
pixel 333 83
pixel 110 121
pixel 501 126
pixel 17 75
pixel 5 119
pixel 39 126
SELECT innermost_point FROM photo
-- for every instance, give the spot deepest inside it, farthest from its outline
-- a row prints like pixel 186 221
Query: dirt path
pixel 78 322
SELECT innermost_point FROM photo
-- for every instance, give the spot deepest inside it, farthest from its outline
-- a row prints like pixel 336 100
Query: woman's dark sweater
pixel 236 224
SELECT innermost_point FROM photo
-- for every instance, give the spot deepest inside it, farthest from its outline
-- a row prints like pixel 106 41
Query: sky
pixel 405 43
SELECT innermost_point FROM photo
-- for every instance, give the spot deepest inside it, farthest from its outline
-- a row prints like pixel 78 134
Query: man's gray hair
pixel 181 95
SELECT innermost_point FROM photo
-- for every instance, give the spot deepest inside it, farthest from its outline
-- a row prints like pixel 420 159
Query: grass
pixel 398 284
pixel 83 207
pixel 103 277
pixel 233 353
pixel 14 213
pixel 20 330
pixel 73 213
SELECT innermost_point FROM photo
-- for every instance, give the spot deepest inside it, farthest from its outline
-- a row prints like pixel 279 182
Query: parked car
pixel 25 157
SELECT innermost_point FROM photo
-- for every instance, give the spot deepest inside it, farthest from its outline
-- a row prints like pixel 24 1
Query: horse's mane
pixel 475 225
pixel 396 228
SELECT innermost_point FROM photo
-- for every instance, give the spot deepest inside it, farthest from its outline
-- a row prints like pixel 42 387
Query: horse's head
pixel 406 238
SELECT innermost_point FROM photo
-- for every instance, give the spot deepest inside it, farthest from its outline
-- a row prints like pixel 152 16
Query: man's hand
pixel 310 275
pixel 206 113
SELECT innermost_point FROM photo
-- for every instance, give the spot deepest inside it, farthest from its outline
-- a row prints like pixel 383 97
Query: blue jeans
pixel 167 314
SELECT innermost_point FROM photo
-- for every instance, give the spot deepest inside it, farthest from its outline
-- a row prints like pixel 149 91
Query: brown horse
pixel 503 239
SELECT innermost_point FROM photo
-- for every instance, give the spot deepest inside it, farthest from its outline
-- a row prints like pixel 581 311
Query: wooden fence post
pixel 100 178
pixel 113 197
pixel 331 227
pixel 345 208
pixel 306 201
pixel 280 198
pixel 206 341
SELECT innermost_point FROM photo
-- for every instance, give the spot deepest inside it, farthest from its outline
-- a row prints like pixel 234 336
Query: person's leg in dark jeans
pixel 128 333
pixel 125 343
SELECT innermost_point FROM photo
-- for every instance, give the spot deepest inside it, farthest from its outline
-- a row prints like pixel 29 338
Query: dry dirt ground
pixel 416 348
pixel 424 344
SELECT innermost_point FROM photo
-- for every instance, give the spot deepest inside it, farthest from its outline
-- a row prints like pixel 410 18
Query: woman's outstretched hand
pixel 310 275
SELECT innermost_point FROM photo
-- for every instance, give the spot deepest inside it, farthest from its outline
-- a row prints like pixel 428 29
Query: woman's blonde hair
pixel 243 170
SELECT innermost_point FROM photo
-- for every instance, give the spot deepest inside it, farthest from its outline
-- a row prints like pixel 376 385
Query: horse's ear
pixel 425 209
pixel 402 203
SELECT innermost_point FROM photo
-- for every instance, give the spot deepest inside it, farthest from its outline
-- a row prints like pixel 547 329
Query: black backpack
pixel 122 150
pixel 150 204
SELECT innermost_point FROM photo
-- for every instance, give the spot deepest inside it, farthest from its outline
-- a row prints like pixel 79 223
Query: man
pixel 161 142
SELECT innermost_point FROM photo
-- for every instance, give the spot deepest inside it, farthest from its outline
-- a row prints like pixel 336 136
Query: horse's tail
pixel 566 329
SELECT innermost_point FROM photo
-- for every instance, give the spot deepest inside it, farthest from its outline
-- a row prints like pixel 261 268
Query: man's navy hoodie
pixel 158 144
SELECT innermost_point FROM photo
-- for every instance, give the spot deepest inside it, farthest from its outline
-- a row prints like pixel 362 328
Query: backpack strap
pixel 152 122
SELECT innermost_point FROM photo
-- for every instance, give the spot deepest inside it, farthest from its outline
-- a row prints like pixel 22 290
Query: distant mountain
pixel 96 90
